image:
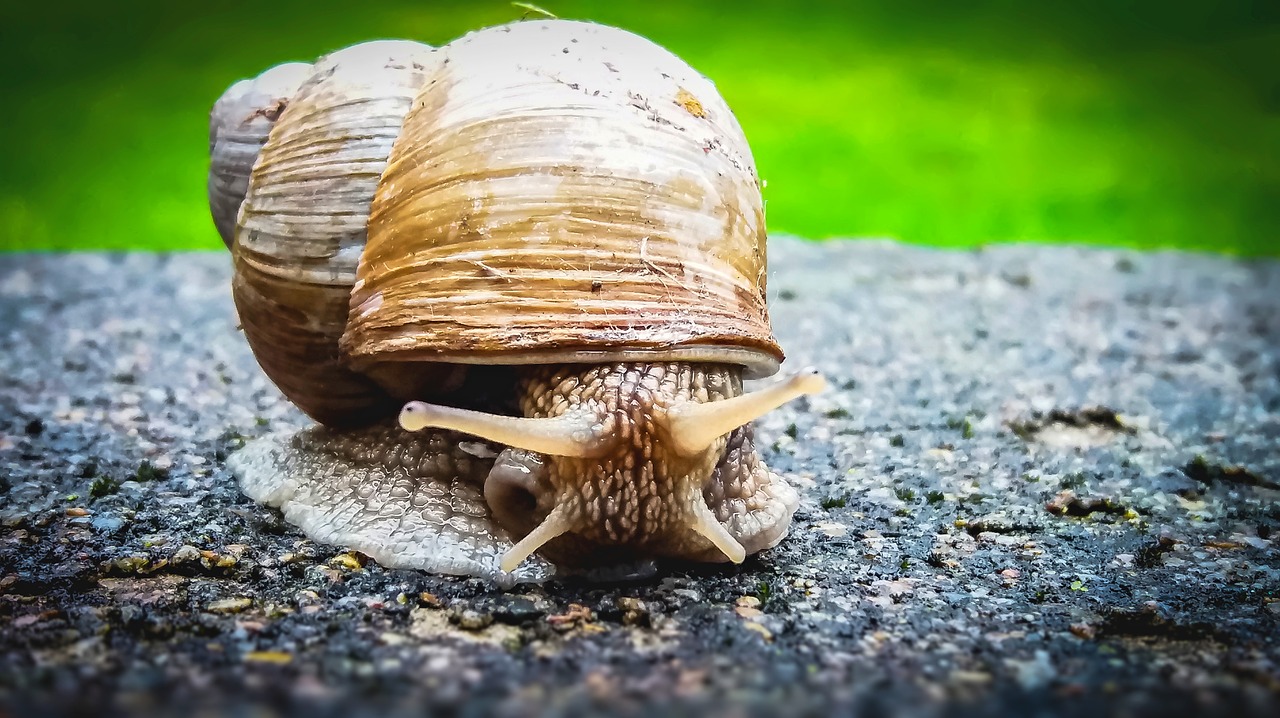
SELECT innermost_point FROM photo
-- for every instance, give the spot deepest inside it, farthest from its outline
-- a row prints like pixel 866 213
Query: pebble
pixel 388 638
pixel 347 561
pixel 185 554
pixel 107 524
pixel 759 628
pixel 278 658
pixel 229 605
pixel 635 612
pixel 471 620
pixel 517 609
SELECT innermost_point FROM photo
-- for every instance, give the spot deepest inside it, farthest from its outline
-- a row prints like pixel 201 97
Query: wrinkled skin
pixel 441 501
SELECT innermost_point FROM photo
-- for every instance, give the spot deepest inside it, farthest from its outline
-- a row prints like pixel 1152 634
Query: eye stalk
pixel 694 426
pixel 577 433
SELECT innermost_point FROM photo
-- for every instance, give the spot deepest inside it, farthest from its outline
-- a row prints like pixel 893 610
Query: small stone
pixel 392 639
pixel 575 614
pixel 831 529
pixel 748 602
pixel 429 600
pixel 213 559
pixel 348 561
pixel 472 620
pixel 688 594
pixel 136 563
pixel 276 610
pixel 516 610
pixel 278 658
pixel 185 554
pixel 131 614
pixel 229 605
pixel 33 618
pixel 77 512
pixel 634 611
pixel 1083 630
pixel 107 524
pixel 971 677
pixel 1035 672
pixel 765 633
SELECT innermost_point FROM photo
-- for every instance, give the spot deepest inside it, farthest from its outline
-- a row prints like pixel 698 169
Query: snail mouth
pixel 518 493
pixel 515 487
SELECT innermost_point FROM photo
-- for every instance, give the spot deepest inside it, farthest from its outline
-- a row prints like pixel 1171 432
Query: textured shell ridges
pixel 539 192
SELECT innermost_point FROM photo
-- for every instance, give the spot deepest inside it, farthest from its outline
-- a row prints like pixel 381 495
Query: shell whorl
pixel 565 192
pixel 238 127
pixel 302 224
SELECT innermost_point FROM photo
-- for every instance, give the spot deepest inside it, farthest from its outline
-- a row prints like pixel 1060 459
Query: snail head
pixel 617 461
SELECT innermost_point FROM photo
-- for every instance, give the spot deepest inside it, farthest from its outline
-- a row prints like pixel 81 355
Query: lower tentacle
pixel 754 504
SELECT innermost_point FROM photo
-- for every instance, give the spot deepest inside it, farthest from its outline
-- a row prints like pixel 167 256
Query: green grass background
pixel 1114 122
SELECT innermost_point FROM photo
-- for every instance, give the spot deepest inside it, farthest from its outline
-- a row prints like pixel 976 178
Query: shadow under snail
pixel 518 280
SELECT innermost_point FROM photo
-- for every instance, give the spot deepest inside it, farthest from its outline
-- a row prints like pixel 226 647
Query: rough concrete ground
pixel 1045 480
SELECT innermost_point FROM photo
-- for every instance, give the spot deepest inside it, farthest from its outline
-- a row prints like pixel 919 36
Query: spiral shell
pixel 540 192
pixel 303 221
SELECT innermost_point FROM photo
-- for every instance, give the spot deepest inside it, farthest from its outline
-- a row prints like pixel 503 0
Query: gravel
pixel 1045 479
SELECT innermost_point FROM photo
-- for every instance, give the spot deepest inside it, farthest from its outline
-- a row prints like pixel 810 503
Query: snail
pixel 518 281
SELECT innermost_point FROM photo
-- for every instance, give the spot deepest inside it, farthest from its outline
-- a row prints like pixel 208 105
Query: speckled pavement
pixel 1044 481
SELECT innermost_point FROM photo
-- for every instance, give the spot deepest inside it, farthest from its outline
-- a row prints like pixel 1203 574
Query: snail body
pixel 545 235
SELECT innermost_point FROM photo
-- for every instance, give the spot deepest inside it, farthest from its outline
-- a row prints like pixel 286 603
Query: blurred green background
pixel 1115 122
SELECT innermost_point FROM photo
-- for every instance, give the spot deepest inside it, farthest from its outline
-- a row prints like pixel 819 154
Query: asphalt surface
pixel 1045 481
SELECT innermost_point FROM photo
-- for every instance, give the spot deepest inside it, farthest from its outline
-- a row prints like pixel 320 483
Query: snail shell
pixel 585 198
pixel 560 192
